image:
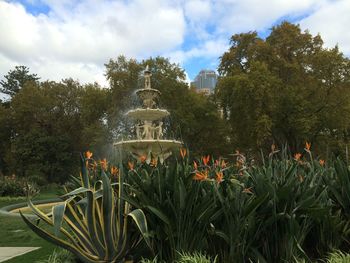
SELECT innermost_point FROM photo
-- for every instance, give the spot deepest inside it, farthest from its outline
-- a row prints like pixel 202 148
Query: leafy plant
pixel 92 222
pixel 59 256
pixel 338 257
pixel 297 204
pixel 194 258
pixel 178 208
pixel 12 186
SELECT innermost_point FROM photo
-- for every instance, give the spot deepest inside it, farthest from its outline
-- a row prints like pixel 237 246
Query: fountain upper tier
pixel 147 114
pixel 149 140
pixel 148 97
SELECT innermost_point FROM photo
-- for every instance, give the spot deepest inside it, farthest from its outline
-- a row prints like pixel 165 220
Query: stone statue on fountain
pixel 149 127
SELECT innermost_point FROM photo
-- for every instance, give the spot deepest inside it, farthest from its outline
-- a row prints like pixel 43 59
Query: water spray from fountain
pixel 149 142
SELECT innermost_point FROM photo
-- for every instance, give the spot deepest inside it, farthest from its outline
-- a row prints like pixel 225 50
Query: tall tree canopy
pixel 194 118
pixel 286 88
pixel 16 79
pixel 51 123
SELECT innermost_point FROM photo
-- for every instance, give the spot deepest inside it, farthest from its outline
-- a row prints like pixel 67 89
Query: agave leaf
pixel 84 173
pixel 88 258
pixel 108 211
pixel 76 191
pixel 57 217
pixel 91 223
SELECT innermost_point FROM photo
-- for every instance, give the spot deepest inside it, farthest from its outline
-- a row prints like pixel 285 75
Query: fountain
pixel 149 143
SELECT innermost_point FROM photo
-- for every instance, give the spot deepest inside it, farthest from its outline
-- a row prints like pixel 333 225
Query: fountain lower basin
pixel 43 205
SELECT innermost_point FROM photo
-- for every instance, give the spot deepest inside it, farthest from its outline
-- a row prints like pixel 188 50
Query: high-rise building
pixel 205 81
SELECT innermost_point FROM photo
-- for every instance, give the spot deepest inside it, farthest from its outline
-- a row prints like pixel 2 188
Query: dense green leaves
pixel 194 118
pixel 286 88
pixel 16 79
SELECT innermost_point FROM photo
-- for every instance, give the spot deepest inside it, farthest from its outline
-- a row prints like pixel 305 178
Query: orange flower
pixel 131 166
pixel 143 158
pixel 307 146
pixel 114 171
pixel 88 155
pixel 297 156
pixel 247 190
pixel 322 162
pixel 223 164
pixel 206 159
pixel 183 152
pixel 195 166
pixel 104 164
pixel 219 177
pixel 200 176
pixel 154 162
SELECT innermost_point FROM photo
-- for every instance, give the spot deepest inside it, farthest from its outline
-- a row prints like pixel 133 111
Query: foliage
pixel 286 88
pixel 5 137
pixel 194 118
pixel 178 209
pixel 186 258
pixel 280 211
pixel 16 79
pixel 92 222
pixel 50 123
pixel 338 257
pixel 194 258
pixel 59 256
pixel 12 186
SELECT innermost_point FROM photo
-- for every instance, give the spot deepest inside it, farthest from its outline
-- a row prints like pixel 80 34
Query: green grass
pixel 15 233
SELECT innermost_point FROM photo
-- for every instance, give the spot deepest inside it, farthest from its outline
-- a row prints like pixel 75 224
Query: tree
pixel 5 138
pixel 194 118
pixel 16 79
pixel 287 88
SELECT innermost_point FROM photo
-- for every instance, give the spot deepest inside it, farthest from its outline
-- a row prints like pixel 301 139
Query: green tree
pixel 286 88
pixel 194 118
pixel 5 138
pixel 15 80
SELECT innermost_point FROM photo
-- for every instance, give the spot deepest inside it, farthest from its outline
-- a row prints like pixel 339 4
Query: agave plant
pixel 93 221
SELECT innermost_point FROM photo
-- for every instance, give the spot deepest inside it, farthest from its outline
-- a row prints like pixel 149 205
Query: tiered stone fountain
pixel 149 142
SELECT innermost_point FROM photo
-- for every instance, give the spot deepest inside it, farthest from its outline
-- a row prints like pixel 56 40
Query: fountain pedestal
pixel 149 143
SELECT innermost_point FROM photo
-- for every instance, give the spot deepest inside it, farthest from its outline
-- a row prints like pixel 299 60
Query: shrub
pixel 59 256
pixel 11 186
pixel 194 258
pixel 338 257
pixel 178 209
pixel 40 180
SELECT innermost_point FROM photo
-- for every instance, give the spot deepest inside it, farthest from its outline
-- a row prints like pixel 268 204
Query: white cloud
pixel 77 37
pixel 332 22
pixel 258 15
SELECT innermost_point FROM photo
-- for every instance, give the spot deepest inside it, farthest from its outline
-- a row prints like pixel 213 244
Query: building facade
pixel 205 81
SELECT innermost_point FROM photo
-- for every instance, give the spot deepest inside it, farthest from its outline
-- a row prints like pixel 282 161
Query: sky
pixel 59 39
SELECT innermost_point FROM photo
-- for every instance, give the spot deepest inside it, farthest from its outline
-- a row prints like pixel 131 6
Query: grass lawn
pixel 15 233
